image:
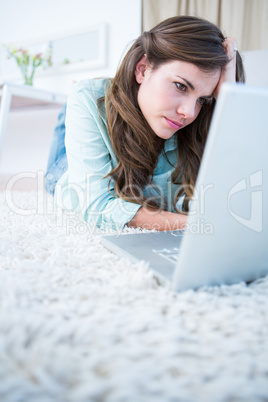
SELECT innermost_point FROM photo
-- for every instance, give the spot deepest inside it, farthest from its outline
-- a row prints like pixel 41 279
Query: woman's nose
pixel 187 109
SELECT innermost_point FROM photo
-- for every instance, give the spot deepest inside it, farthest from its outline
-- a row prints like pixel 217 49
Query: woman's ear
pixel 140 69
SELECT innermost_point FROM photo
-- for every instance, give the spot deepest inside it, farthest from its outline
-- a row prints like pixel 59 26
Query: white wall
pixel 29 134
pixel 21 20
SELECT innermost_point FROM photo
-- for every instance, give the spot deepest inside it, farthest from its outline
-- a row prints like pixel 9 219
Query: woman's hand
pixel 158 220
pixel 228 73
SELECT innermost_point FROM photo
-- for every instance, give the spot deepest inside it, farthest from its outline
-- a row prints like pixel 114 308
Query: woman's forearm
pixel 160 220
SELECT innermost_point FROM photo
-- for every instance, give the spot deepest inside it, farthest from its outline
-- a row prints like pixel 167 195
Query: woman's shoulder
pixel 93 87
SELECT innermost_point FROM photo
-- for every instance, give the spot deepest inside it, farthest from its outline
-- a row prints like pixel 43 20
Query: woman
pixel 134 143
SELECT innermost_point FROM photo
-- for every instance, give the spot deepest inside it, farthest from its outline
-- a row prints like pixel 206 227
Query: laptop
pixel 226 237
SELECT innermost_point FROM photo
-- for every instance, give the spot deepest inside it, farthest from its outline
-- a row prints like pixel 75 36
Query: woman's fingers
pixel 229 72
pixel 231 49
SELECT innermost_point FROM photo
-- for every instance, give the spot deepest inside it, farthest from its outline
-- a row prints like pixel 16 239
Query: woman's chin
pixel 165 135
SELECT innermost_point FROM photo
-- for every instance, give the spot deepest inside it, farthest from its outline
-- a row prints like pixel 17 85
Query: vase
pixel 28 74
pixel 28 79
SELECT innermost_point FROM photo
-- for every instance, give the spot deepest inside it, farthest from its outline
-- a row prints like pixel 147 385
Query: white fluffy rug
pixel 79 324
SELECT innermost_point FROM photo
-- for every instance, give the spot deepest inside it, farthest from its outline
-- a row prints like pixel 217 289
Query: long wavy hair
pixel 136 146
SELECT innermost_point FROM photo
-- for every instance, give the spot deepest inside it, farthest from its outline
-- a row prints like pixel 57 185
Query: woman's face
pixel 172 96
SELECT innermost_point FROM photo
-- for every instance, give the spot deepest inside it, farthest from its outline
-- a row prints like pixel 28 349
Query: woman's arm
pixel 160 220
pixel 90 158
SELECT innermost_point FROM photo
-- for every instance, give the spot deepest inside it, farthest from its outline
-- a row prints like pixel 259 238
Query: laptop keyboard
pixel 171 254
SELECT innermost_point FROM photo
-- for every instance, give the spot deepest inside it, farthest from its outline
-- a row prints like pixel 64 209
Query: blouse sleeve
pixel 90 158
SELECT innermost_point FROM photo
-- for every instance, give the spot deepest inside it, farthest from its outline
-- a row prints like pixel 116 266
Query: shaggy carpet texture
pixel 79 324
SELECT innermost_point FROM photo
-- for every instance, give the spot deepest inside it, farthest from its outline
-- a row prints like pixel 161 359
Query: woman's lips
pixel 174 124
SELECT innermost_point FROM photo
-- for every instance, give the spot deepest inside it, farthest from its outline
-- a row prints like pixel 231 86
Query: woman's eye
pixel 181 87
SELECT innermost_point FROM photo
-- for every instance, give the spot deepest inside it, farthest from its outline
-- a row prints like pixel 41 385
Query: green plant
pixel 28 62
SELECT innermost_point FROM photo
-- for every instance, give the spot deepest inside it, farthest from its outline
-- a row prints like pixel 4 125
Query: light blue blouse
pixel 90 155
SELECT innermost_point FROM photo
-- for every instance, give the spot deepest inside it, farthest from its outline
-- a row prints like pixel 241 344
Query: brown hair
pixel 137 148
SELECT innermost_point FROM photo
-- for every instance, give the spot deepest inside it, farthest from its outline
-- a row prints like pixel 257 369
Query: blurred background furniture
pixel 24 96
